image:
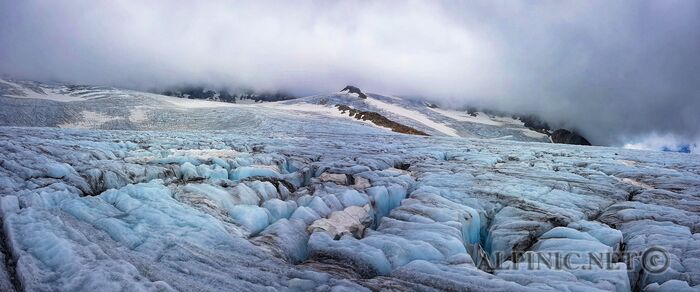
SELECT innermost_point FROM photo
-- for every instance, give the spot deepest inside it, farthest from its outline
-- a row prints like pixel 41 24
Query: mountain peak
pixel 353 89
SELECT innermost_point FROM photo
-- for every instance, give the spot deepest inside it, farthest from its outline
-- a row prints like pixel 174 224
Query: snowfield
pixel 409 114
pixel 261 197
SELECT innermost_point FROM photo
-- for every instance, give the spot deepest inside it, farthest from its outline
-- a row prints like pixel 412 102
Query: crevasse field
pixel 113 190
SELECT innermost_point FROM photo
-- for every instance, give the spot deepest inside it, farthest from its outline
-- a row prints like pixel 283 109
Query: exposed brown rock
pixel 379 120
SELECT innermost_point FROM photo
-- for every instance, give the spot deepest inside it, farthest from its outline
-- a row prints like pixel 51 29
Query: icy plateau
pixel 104 189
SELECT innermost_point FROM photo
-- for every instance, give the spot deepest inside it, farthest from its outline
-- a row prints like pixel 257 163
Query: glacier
pixel 195 195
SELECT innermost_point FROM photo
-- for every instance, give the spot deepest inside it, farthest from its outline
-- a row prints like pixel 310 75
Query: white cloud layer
pixel 611 69
pixel 666 142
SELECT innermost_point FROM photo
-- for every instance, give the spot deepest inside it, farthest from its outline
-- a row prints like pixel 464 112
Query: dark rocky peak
pixel 534 123
pixel 353 89
pixel 563 136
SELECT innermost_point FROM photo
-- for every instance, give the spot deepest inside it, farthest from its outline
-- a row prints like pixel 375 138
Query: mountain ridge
pixel 109 108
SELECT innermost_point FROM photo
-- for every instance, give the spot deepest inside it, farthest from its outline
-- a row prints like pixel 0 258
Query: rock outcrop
pixel 353 89
pixel 563 136
pixel 379 120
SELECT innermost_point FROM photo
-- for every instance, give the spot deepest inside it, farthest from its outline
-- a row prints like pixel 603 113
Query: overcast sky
pixel 617 71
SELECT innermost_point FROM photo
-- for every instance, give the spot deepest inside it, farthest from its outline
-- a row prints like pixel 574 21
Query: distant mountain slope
pixel 27 103
pixel 424 116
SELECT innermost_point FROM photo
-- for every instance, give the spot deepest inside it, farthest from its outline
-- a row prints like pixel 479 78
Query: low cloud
pixel 666 142
pixel 615 70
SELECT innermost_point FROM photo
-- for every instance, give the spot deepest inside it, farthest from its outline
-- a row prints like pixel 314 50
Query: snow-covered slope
pixel 57 105
pixel 55 92
pixel 211 196
pixel 426 117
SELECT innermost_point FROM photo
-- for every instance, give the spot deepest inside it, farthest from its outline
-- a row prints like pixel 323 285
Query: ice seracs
pixel 262 198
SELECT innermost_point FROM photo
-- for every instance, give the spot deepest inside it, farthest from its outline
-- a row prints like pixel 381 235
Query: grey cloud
pixel 615 70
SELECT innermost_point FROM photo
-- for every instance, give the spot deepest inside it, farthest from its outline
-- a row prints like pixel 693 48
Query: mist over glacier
pixel 617 72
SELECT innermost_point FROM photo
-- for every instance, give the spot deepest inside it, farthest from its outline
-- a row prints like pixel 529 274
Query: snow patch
pixel 90 119
pixel 413 115
pixel 480 118
pixel 50 94
pixel 138 115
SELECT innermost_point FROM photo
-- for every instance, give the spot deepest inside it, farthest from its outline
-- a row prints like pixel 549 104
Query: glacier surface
pixel 251 197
